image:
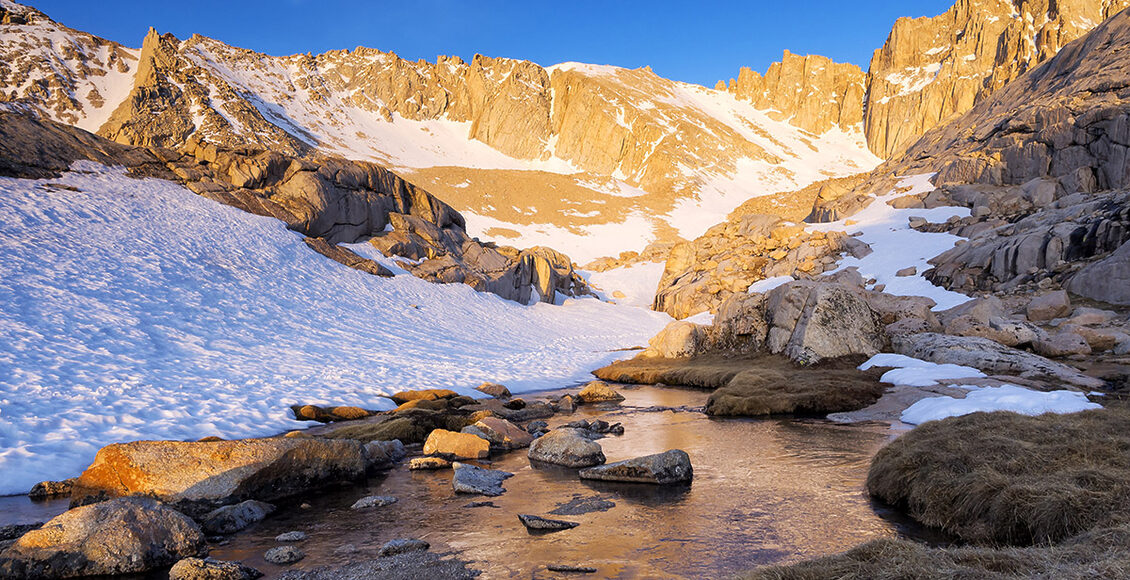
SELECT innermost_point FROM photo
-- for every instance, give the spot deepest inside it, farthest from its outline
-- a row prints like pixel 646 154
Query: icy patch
pixel 897 246
pixel 134 309
pixel 1002 398
pixel 637 283
pixel 913 372
pixel 763 286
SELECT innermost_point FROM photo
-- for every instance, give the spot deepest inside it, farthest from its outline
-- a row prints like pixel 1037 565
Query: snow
pixel 763 286
pixel 897 246
pixel 134 309
pixel 637 283
pixel 913 372
pixel 582 243
pixel 705 318
pixel 1002 398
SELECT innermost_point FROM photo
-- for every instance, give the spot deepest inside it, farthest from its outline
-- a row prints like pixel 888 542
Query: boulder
pixel 422 394
pixel 233 518
pixel 599 392
pixel 402 546
pixel 373 501
pixel 382 454
pixel 1084 316
pixel 329 414
pixel 494 389
pixel 119 536
pixel 46 489
pixel 1062 344
pixel 538 523
pixel 209 569
pixel 284 555
pixel 500 433
pixel 991 357
pixel 458 445
pixel 1107 280
pixel 428 463
pixel 197 477
pixel 678 339
pixel 1048 306
pixel 473 479
pixel 665 468
pixel 568 447
pixel 834 322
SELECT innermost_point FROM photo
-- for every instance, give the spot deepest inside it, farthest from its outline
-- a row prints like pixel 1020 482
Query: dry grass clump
pixel 1101 554
pixel 801 390
pixel 1005 478
pixel 704 372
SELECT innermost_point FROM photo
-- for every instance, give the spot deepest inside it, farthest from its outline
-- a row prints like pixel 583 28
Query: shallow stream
pixel 764 491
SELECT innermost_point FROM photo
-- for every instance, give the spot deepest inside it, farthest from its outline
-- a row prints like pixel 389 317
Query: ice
pixel 897 246
pixel 1002 398
pixel 134 309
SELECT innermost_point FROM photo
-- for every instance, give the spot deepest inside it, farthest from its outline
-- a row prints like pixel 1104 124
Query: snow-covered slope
pixel 137 309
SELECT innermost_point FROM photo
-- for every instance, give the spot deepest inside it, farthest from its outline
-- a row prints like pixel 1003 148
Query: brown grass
pixel 1004 478
pixel 802 390
pixel 1101 554
pixel 704 372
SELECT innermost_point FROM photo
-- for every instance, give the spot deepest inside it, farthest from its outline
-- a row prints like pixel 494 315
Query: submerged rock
pixel 539 523
pixel 209 569
pixel 373 501
pixel 472 479
pixel 119 536
pixel 402 546
pixel 669 467
pixel 568 447
pixel 284 555
pixel 233 518
pixel 291 537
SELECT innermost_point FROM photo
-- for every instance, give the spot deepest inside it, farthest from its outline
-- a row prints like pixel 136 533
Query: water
pixel 764 491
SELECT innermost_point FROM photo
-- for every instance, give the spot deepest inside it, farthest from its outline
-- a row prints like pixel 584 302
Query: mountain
pixel 933 69
pixel 593 160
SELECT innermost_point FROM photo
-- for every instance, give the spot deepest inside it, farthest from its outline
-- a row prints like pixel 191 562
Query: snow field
pixel 134 309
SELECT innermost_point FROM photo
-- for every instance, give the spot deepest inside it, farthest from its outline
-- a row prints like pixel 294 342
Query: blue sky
pixel 698 42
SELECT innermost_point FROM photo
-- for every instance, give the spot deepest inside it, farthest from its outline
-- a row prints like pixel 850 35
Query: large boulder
pixel 1107 280
pixel 1048 306
pixel 669 467
pixel 120 536
pixel 568 447
pixel 834 322
pixel 678 339
pixel 599 392
pixel 459 445
pixel 989 356
pixel 197 477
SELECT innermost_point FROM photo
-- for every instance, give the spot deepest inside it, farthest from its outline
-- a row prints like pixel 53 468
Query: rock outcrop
pixel 812 92
pixel 932 69
pixel 121 536
pixel 197 477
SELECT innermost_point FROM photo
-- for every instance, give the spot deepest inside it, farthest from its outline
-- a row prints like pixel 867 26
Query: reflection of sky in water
pixel 764 492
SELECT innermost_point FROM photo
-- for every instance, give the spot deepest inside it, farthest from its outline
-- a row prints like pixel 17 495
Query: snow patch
pixel 1002 398
pixel 637 283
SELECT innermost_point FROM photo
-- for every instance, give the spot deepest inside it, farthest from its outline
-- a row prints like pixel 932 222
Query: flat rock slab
pixel 473 479
pixel 583 505
pixel 428 463
pixel 665 468
pixel 197 477
pixel 571 568
pixel 402 546
pixel 291 537
pixel 373 501
pixel 539 523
